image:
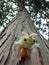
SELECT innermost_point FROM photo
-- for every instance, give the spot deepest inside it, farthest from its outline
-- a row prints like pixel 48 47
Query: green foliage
pixel 36 7
pixel 6 9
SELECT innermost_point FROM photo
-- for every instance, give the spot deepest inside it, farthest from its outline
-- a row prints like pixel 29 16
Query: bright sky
pixel 47 0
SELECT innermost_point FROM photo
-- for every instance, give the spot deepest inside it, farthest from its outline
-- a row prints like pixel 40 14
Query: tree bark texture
pixel 8 56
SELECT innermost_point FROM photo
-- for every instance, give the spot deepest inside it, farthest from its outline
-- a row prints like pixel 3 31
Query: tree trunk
pixel 8 56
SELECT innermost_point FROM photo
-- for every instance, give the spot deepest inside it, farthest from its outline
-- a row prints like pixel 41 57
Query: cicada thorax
pixel 23 52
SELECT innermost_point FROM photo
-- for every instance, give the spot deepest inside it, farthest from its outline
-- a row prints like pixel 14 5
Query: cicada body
pixel 23 52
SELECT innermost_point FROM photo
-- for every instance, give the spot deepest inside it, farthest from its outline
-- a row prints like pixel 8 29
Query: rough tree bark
pixel 8 56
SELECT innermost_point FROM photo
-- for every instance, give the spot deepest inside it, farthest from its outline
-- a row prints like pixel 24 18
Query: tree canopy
pixel 38 10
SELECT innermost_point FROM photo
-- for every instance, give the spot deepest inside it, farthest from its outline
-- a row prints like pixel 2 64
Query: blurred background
pixel 37 9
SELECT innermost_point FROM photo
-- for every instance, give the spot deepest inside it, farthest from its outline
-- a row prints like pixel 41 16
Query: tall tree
pixel 23 23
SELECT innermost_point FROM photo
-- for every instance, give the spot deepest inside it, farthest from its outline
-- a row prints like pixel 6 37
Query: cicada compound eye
pixel 25 39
